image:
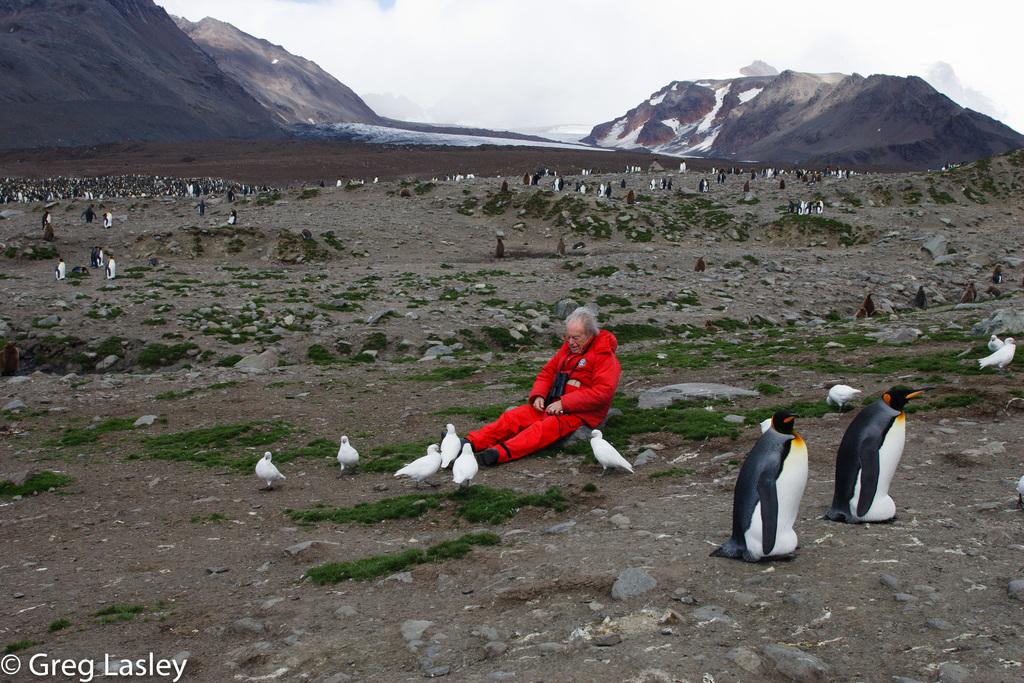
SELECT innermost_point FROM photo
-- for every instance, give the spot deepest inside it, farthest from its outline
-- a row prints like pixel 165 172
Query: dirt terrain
pixel 395 319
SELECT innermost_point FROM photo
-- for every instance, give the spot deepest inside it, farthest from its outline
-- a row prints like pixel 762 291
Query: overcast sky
pixel 522 63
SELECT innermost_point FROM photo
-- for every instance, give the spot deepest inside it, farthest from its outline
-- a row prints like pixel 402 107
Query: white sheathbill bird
pixel 267 471
pixel 840 395
pixel 450 446
pixel 606 454
pixel 465 467
pixel 994 343
pixel 347 456
pixel 422 468
pixel 1020 493
pixel 1000 358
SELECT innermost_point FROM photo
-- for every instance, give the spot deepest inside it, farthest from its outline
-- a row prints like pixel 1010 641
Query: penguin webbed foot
pixel 730 550
pixel 837 516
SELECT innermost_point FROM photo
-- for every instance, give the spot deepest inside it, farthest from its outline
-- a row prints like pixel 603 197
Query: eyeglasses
pixel 576 338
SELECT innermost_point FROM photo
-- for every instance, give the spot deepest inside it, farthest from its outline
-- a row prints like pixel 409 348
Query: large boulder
pixel 663 397
pixel 1003 321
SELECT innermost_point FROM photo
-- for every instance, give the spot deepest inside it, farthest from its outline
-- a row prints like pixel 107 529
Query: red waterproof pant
pixel 522 431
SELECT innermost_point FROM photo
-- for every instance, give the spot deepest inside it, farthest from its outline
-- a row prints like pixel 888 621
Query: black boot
pixel 488 456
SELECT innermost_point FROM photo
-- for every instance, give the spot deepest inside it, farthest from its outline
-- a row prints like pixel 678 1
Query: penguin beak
pixel 919 392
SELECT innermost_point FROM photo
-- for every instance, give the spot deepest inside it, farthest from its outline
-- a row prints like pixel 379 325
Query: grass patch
pixel 674 472
pixel 446 374
pixel 75 436
pixel 58 625
pixel 18 646
pixel 229 361
pixel 382 565
pixel 109 615
pixel 44 481
pixel 160 355
pixel 480 414
pixel 628 332
pixel 224 446
pixel 477 504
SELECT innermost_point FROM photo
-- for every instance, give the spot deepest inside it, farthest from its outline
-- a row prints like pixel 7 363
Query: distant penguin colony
pixel 867 458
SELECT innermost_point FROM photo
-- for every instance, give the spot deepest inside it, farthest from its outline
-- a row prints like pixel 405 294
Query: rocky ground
pixel 156 392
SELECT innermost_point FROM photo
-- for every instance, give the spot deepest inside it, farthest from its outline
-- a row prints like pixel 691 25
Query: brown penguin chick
pixel 920 301
pixel 993 291
pixel 307 234
pixel 526 179
pixel 782 184
pixel 868 306
pixel 504 186
pixel 700 266
pixel 997 274
pixel 9 359
pixel 746 186
pixel 631 197
pixel 970 294
pixel 711 327
pixel 560 249
pixel 48 232
pixel 861 313
pixel 499 250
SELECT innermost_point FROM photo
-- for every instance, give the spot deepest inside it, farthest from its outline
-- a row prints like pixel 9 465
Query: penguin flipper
pixel 768 496
pixel 868 476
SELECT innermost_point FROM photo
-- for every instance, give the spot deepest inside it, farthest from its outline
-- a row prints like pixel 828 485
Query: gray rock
pixel 561 528
pixel 692 391
pixel 49 321
pixel 646 456
pixel 18 478
pixel 259 362
pixel 904 679
pixel 378 314
pixel 903 335
pixel 632 581
pixel 15 404
pixel 306 546
pixel 495 648
pixel 734 419
pixel 582 433
pixel 937 246
pixel 795 664
pixel 486 632
pixel 746 659
pixel 435 351
pixel 564 307
pixel 710 613
pixel 1016 589
pixel 247 626
pixel 905 597
pixel 890 581
pixel 412 629
pixel 953 673
pixel 338 677
pixel 345 611
pixel 939 624
pixel 145 420
pixel 109 361
pixel 501 675
pixel 1003 321
pixel 607 639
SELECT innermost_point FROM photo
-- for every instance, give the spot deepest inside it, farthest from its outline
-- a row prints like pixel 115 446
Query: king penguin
pixel 111 269
pixel 866 462
pixel 767 495
pixel 60 270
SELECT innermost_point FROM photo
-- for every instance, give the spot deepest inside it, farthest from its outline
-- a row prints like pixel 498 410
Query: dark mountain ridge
pixel 810 118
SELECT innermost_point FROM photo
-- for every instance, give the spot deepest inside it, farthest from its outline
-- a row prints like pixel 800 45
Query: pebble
pixel 632 581
pixel 1016 589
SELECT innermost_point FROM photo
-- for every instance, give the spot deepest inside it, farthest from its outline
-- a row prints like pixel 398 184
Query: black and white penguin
pixel 233 218
pixel 767 495
pixel 111 269
pixel 60 270
pixel 95 257
pixel 867 459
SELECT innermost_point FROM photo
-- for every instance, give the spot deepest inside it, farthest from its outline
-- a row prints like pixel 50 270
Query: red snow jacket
pixel 593 378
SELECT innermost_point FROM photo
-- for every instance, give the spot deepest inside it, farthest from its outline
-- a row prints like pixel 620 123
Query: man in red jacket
pixel 575 387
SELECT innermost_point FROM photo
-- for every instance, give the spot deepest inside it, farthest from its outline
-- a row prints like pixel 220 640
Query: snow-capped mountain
pixel 800 118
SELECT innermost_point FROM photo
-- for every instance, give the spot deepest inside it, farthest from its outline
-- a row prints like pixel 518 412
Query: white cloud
pixel 498 63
